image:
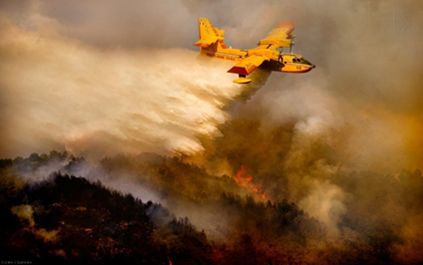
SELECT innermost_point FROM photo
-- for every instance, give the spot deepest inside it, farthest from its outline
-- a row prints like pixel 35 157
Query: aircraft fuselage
pixel 278 62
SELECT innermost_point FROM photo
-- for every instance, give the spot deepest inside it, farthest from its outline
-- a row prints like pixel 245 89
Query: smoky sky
pixel 367 52
pixel 343 38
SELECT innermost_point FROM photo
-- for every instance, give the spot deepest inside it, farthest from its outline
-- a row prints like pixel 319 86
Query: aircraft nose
pixel 313 66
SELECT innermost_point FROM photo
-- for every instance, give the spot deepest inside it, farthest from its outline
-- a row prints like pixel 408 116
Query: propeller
pixel 291 46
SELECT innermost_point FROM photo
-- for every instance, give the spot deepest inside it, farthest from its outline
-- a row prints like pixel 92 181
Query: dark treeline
pixel 92 224
pixel 68 219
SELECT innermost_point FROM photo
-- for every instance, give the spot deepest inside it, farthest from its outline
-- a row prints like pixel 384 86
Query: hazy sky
pixel 368 72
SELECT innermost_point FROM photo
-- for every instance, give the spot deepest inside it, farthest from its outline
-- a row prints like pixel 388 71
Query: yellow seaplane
pixel 268 54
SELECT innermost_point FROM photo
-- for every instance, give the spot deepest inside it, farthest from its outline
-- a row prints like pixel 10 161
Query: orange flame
pixel 246 181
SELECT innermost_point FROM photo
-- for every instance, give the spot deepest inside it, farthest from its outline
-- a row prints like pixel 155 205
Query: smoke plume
pixel 62 94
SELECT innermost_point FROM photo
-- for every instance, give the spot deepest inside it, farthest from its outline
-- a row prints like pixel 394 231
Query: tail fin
pixel 209 35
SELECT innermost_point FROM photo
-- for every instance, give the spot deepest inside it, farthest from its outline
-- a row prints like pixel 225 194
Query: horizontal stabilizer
pixel 203 43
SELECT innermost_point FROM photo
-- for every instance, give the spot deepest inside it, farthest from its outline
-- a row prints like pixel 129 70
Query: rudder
pixel 208 34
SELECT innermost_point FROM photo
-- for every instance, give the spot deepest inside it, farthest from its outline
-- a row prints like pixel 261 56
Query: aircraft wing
pixel 279 37
pixel 247 65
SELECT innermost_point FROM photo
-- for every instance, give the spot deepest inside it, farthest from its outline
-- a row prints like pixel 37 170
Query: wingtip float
pixel 268 54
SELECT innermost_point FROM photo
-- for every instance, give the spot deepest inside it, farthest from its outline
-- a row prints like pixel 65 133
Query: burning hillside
pixel 247 182
pixel 68 219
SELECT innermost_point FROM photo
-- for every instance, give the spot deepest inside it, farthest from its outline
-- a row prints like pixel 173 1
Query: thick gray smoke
pixel 61 93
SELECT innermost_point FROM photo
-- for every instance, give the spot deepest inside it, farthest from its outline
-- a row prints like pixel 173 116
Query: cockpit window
pixel 304 61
